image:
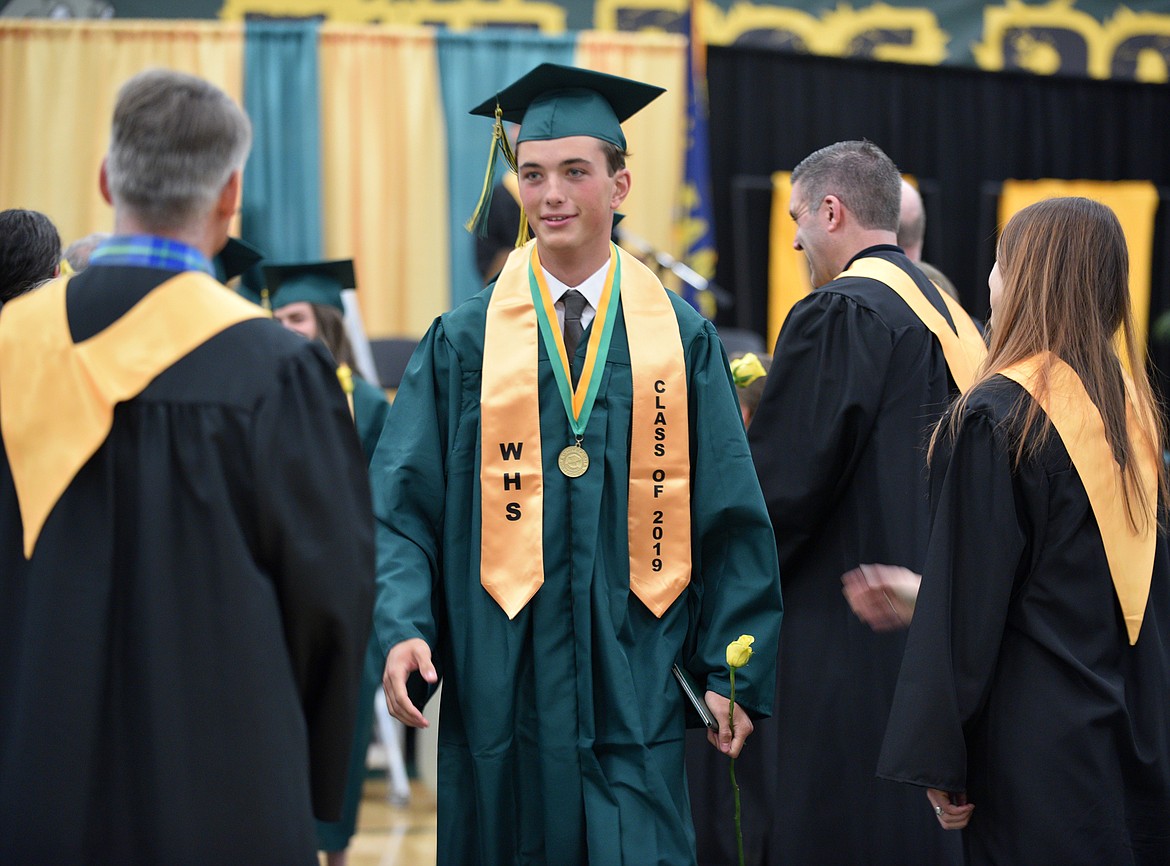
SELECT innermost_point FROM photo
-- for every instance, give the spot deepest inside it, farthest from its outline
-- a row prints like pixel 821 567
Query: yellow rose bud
pixel 739 651
pixel 747 369
pixel 345 377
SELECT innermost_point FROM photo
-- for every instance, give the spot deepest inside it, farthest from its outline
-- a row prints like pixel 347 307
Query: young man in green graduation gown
pixel 563 515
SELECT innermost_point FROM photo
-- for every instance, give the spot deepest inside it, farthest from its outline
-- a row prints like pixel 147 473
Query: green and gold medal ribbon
pixel 578 401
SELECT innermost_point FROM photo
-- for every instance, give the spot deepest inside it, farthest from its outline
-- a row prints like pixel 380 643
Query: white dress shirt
pixel 592 288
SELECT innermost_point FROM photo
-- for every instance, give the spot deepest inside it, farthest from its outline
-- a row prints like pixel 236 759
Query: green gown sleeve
pixel 408 474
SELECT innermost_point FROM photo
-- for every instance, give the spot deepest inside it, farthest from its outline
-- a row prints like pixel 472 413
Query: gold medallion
pixel 573 461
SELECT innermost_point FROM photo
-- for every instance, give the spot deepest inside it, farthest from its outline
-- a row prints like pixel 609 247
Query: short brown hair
pixel 615 157
pixel 858 173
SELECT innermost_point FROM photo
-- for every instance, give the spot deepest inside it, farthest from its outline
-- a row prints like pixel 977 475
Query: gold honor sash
pixel 964 351
pixel 1130 552
pixel 57 397
pixel 511 464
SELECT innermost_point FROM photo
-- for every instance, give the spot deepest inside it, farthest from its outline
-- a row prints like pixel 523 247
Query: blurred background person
pixel 77 253
pixel 30 251
pixel 912 235
pixel 306 298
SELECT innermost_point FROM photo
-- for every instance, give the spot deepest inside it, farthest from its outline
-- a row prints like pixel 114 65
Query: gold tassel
pixel 478 221
pixel 510 157
pixel 522 232
pixel 522 235
pixel 345 377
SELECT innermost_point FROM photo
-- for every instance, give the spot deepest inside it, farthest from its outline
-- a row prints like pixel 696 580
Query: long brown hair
pixel 331 331
pixel 1065 271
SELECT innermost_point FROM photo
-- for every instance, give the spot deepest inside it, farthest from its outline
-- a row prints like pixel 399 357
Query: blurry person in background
pixel 77 253
pixel 30 251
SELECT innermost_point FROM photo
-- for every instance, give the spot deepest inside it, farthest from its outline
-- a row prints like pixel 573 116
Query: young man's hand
pixel 723 741
pixel 403 659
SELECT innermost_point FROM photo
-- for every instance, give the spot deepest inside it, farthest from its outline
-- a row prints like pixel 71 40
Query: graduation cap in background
pixel 555 101
pixel 313 282
pixel 239 259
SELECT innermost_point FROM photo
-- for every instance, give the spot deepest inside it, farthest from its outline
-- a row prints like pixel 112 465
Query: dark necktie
pixel 574 303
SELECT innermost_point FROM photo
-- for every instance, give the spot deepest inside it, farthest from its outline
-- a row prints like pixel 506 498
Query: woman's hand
pixel 952 810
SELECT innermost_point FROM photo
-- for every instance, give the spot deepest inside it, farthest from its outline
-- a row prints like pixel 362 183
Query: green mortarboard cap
pixel 235 259
pixel 554 101
pixel 314 282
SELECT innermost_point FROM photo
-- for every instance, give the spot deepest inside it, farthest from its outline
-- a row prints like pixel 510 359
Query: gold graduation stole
pixel 1078 422
pixel 964 351
pixel 57 397
pixel 519 314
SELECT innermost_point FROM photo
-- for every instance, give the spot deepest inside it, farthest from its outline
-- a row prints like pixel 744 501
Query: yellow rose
pixel 747 369
pixel 739 651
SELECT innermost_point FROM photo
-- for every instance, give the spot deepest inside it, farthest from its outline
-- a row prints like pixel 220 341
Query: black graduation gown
pixel 856 384
pixel 179 658
pixel 1019 684
pixel 370 408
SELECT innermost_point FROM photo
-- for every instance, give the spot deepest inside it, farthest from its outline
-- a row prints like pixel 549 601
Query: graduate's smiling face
pixel 569 195
pixel 811 237
pixel 298 316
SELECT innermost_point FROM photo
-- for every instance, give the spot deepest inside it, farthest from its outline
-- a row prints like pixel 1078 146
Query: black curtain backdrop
pixel 960 131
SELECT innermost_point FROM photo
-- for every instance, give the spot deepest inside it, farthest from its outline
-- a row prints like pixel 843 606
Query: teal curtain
pixel 282 182
pixel 472 67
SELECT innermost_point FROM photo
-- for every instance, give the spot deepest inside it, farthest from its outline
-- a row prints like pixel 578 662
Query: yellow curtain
pixel 657 133
pixel 788 279
pixel 58 82
pixel 384 171
pixel 1134 202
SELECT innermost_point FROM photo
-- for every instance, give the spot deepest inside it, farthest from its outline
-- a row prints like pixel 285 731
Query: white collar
pixel 592 288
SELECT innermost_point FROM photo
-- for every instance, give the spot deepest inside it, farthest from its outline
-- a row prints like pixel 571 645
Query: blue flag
pixel 695 222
